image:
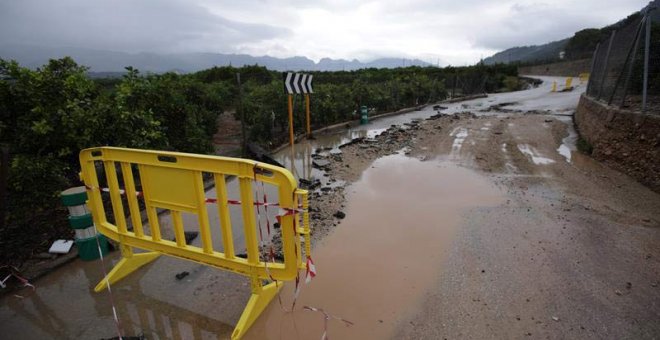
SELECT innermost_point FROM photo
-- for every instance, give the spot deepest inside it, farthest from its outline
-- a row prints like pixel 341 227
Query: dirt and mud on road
pixel 571 251
pixel 475 221
pixel 552 244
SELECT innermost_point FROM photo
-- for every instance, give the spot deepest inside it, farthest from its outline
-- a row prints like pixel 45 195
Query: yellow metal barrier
pixel 174 181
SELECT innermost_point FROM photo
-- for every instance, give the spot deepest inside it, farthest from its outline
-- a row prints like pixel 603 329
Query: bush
pixel 49 114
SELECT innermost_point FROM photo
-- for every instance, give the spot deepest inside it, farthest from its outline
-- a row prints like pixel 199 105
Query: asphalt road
pixel 490 226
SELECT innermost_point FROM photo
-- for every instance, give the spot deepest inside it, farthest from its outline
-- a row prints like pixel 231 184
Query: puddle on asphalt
pixel 568 144
pixel 64 306
pixel 534 154
pixel 375 266
pixel 459 134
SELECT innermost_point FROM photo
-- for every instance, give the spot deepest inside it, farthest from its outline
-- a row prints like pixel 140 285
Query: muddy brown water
pixel 372 270
pixel 376 265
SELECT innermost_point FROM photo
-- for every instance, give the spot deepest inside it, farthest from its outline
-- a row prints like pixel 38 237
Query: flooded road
pixel 502 227
pixel 298 158
pixel 376 265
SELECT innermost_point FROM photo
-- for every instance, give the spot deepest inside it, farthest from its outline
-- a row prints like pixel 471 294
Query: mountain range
pixel 103 61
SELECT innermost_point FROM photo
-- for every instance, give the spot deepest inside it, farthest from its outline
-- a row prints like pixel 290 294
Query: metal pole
pixel 593 65
pixel 240 108
pixel 647 49
pixel 309 130
pixel 291 120
pixel 632 62
pixel 607 57
pixel 632 52
pixel 4 178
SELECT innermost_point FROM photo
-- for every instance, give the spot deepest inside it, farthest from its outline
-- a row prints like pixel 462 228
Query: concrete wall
pixel 562 69
pixel 624 140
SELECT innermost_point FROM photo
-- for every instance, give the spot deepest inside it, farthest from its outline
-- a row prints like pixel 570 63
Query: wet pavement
pixel 376 265
pixel 374 269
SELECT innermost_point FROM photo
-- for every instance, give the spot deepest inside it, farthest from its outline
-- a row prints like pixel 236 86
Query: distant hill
pixel 549 51
pixel 101 61
pixel 580 46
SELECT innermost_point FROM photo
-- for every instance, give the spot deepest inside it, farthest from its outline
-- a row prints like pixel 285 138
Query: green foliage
pixel 584 146
pixel 512 83
pixel 583 43
pixel 49 114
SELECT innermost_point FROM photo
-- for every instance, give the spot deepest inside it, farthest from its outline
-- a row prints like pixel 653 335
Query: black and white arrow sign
pixel 297 83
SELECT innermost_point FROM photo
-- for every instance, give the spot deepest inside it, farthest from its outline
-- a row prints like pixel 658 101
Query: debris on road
pixel 61 247
pixel 181 275
pixel 339 214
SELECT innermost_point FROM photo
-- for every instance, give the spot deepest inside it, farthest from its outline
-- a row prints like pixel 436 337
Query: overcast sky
pixel 456 31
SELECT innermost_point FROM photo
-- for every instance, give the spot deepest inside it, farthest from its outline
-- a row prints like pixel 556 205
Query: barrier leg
pixel 126 266
pixel 261 296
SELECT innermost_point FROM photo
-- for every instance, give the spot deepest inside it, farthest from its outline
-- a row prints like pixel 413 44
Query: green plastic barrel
pixel 88 248
pixel 364 115
pixel 82 223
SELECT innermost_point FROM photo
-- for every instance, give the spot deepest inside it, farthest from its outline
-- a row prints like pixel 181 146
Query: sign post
pixel 309 130
pixel 298 83
pixel 290 119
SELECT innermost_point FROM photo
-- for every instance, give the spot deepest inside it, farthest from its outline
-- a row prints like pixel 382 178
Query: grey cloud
pixel 131 26
pixel 532 25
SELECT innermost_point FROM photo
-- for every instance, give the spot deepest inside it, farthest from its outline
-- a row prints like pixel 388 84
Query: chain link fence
pixel 625 70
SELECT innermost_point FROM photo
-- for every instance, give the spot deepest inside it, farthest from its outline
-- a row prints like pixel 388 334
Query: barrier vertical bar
pixel 115 196
pixel 131 197
pixel 152 216
pixel 202 214
pixel 179 234
pixel 306 232
pixel 223 211
pixel 247 206
pixel 286 199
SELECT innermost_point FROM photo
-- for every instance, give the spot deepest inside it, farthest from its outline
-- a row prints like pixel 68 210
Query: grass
pixel 584 146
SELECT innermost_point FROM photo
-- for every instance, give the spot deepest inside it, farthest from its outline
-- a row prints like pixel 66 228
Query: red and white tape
pixel 13 271
pixel 326 319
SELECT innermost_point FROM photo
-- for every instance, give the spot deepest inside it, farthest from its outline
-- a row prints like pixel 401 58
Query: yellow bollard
pixel 569 82
pixel 584 77
pixel 554 86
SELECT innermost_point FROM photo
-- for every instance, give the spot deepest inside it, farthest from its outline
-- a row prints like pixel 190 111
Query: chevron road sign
pixel 297 83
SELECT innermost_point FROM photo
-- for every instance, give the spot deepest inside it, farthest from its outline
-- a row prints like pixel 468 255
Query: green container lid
pixel 74 196
pixel 88 250
pixel 81 222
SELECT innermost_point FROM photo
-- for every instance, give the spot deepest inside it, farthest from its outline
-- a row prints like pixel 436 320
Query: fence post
pixel 593 65
pixel 632 52
pixel 607 57
pixel 4 179
pixel 647 49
